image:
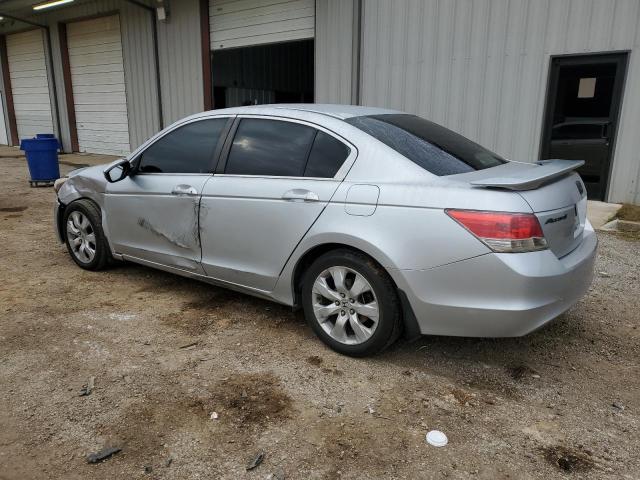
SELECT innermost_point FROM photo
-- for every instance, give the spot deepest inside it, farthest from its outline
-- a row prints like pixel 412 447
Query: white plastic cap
pixel 437 438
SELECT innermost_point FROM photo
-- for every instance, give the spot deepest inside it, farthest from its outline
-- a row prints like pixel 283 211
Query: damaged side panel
pixel 149 219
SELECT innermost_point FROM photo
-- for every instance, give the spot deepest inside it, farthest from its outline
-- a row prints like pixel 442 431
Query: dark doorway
pixel 275 73
pixel 583 106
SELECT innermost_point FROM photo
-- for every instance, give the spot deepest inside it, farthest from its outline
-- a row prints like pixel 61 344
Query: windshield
pixel 436 149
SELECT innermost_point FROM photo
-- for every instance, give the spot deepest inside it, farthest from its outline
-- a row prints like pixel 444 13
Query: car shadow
pixel 449 356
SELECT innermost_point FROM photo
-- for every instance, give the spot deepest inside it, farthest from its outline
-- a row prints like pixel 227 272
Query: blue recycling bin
pixel 42 158
pixel 49 135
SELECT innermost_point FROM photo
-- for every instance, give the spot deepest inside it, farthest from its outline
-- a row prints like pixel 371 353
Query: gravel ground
pixel 167 352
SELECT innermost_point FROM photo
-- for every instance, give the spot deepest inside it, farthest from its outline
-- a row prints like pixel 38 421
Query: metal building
pixel 530 79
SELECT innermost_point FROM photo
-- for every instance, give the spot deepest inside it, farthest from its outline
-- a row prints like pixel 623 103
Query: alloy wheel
pixel 81 237
pixel 345 305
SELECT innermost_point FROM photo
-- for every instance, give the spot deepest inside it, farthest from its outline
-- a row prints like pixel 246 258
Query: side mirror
pixel 117 171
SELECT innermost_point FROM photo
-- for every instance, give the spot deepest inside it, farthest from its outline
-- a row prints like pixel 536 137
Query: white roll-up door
pixel 4 138
pixel 240 23
pixel 97 76
pixel 29 83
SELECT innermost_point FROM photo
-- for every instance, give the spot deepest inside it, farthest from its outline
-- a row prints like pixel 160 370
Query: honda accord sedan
pixel 375 222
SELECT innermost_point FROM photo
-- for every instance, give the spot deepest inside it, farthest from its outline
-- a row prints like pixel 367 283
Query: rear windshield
pixel 436 149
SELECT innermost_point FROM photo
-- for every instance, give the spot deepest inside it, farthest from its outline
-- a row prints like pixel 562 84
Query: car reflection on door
pixel 584 139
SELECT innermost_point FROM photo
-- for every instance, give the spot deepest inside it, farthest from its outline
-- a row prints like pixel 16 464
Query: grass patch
pixel 629 212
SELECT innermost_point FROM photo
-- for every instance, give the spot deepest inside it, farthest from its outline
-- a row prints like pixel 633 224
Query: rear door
pixel 275 179
pixel 152 215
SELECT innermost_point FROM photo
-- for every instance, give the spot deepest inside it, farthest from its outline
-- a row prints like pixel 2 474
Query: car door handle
pixel 183 190
pixel 300 195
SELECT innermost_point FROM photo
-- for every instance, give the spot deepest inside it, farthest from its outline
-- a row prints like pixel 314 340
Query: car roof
pixel 341 112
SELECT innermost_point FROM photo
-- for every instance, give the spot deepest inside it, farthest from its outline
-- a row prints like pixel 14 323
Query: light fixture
pixel 54 3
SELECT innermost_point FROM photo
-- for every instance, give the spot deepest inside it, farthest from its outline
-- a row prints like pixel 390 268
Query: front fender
pixel 83 183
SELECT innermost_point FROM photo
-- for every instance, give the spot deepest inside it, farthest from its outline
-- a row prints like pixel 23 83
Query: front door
pixel 583 106
pixel 277 179
pixel 152 215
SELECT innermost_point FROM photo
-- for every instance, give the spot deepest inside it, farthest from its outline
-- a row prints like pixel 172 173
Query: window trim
pixel 135 157
pixel 339 176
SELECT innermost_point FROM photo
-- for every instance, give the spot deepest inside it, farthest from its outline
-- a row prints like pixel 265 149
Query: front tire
pixel 85 240
pixel 351 303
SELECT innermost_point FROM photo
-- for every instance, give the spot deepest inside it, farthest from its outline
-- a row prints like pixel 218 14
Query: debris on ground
pixel 255 461
pixel 521 371
pixel 437 438
pixel 569 460
pixel 214 415
pixel 148 469
pixel 277 475
pixel 88 387
pixel 314 360
pixel 102 454
pixel 604 274
pixel 189 345
pixel 168 462
pixel 617 405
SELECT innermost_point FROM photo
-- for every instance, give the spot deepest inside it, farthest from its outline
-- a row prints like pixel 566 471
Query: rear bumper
pixel 498 295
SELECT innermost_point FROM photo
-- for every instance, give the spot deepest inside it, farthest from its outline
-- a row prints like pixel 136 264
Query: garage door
pixel 239 23
pixel 4 138
pixel 97 76
pixel 29 83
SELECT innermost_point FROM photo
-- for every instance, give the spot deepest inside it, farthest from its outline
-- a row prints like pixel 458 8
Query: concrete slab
pixel 618 225
pixel 600 213
pixel 12 152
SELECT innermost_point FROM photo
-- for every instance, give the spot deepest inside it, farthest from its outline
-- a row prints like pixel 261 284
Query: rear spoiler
pixel 529 179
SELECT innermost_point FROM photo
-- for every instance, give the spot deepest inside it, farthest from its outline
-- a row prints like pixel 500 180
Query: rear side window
pixel 270 148
pixel 326 157
pixel 431 146
pixel 187 149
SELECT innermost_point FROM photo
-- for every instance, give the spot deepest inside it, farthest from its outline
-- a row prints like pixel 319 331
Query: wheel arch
pixel 62 208
pixel 410 324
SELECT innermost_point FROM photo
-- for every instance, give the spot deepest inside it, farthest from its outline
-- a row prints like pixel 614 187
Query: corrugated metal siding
pixel 181 61
pixel 237 96
pixel 139 63
pixel 480 67
pixel 238 23
pixel 335 50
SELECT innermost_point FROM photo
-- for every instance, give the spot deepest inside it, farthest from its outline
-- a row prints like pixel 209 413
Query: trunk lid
pixel 552 189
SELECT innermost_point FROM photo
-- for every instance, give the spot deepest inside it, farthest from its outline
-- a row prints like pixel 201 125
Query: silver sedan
pixel 375 222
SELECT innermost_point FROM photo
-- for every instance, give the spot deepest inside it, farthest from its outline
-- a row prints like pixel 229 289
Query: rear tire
pixel 83 235
pixel 351 303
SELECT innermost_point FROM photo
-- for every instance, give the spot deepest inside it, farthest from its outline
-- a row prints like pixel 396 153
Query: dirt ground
pixel 167 352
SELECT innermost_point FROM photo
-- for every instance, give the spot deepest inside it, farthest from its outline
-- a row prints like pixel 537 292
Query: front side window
pixel 431 146
pixel 270 148
pixel 187 149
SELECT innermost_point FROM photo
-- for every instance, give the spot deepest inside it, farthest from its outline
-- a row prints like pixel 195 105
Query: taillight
pixel 503 232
